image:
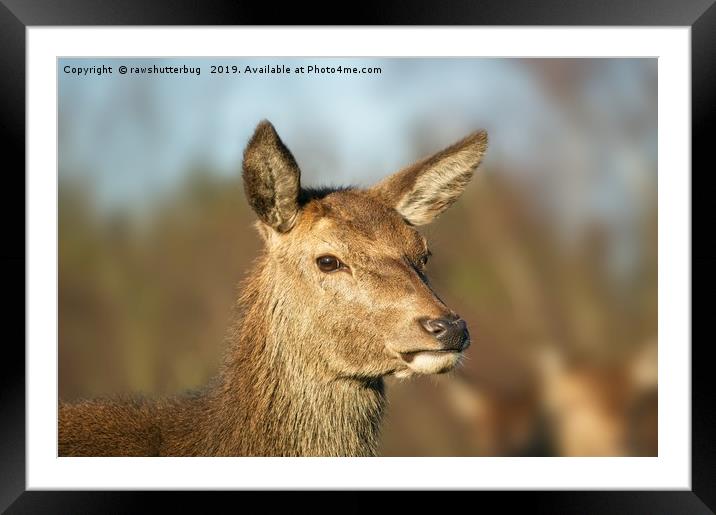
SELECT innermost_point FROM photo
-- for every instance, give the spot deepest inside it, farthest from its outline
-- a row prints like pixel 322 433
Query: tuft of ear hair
pixel 272 179
pixel 423 190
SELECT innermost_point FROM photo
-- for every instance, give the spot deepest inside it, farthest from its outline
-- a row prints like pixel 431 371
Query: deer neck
pixel 270 400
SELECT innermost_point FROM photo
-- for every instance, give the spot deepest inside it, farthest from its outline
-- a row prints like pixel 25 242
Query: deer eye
pixel 329 263
pixel 424 259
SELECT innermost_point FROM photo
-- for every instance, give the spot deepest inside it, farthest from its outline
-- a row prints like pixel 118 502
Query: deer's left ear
pixel 425 189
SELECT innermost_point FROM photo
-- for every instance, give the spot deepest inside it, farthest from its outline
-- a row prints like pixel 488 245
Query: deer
pixel 570 405
pixel 337 301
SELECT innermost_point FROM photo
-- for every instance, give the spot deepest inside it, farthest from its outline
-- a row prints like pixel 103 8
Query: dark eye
pixel 424 259
pixel 329 263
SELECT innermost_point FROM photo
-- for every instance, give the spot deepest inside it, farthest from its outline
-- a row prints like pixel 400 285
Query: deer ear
pixel 272 179
pixel 425 189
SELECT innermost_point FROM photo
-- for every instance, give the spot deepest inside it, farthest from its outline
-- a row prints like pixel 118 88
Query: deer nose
pixel 451 333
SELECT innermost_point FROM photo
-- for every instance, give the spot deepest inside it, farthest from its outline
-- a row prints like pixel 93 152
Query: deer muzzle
pixel 451 333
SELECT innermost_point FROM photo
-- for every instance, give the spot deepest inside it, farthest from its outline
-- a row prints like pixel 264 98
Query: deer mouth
pixel 408 357
pixel 431 361
pixel 454 347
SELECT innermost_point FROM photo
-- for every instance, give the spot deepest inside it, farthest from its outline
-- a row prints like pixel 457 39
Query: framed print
pixel 462 245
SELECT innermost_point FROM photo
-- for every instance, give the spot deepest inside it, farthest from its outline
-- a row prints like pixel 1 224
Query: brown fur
pixel 307 351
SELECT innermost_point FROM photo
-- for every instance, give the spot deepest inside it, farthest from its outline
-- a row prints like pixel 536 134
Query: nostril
pixel 440 326
pixel 451 333
pixel 434 326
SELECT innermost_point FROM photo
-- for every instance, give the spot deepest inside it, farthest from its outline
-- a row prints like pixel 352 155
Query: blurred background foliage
pixel 551 254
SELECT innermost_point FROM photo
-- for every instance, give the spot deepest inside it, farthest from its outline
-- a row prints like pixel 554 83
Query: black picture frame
pixel 17 15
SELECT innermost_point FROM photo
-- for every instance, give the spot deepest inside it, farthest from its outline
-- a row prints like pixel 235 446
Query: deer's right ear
pixel 272 179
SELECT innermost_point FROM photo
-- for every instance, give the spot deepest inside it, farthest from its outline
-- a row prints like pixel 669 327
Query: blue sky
pixel 128 131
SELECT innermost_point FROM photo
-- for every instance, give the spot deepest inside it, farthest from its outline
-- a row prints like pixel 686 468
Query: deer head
pixel 346 269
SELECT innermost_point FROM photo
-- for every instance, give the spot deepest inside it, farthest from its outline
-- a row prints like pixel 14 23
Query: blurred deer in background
pixel 584 408
pixel 338 300
pixel 603 409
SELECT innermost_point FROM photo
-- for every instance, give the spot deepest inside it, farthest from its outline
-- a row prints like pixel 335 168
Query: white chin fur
pixel 433 362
